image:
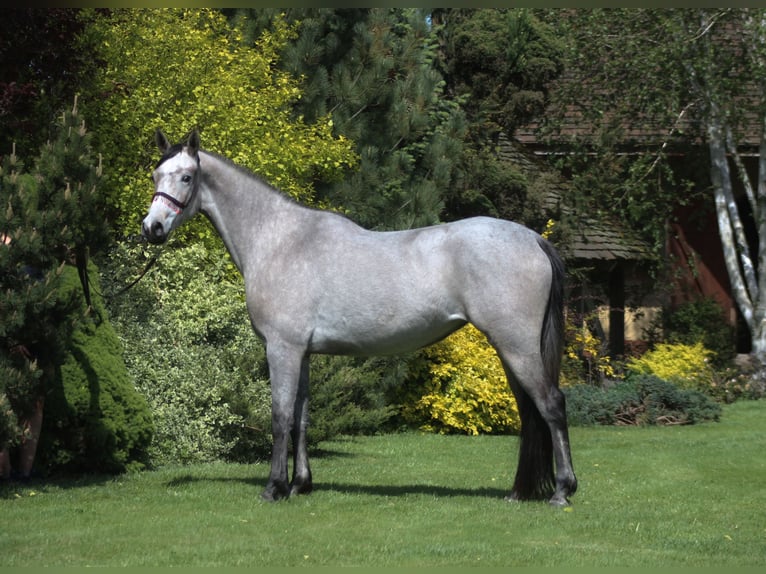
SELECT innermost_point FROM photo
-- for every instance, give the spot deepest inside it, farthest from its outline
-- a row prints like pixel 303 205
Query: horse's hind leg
pixel 544 432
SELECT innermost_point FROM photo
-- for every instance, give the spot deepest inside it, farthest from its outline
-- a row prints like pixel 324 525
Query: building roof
pixel 685 128
pixel 591 238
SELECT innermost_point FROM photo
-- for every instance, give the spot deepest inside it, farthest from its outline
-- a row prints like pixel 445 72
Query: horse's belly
pixel 382 337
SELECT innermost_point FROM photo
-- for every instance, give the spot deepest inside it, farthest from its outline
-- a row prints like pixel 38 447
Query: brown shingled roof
pixel 594 239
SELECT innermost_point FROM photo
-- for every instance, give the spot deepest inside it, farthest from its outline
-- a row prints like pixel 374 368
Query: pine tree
pixel 498 63
pixel 372 72
pixel 50 216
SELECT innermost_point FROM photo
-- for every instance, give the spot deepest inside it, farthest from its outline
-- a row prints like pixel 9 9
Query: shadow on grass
pixel 399 490
pixel 12 488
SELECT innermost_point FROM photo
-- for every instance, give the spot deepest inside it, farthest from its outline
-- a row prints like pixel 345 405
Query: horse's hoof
pixel 268 497
pixel 305 488
pixel 559 501
pixel 273 495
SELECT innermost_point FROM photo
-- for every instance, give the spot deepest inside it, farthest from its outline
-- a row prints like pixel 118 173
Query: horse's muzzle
pixel 154 233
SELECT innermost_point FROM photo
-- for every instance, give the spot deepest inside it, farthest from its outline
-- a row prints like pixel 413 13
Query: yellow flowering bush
pixel 465 391
pixel 687 366
pixel 585 359
pixel 178 69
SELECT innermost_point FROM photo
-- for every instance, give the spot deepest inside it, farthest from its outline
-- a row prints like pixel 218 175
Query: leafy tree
pixel 700 71
pixel 373 72
pixel 207 78
pixel 608 58
pixel 44 64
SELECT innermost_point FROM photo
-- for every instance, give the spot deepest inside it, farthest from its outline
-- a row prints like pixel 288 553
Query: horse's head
pixel 176 179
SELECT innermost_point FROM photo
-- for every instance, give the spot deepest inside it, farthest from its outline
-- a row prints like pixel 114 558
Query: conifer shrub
pixel 94 418
pixel 349 396
pixel 640 399
pixel 459 386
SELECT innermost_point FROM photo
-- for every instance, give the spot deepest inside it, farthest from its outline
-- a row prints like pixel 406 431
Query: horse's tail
pixel 535 477
pixel 552 336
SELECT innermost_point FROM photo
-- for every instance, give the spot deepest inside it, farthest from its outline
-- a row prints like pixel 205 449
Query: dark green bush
pixel 349 396
pixel 94 418
pixel 638 400
pixel 702 321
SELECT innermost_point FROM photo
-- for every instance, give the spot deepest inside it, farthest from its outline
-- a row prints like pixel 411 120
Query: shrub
pixel 191 351
pixel 688 366
pixel 638 400
pixel 95 420
pixel 702 321
pixel 733 384
pixel 464 388
pixel 585 355
pixel 349 396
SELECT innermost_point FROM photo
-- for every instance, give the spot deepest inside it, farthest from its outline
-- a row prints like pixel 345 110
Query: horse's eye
pixel 186 178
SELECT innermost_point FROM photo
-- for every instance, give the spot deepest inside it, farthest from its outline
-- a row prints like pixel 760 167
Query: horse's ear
pixel 193 143
pixel 162 141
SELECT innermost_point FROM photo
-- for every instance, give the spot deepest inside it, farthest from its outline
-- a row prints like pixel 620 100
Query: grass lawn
pixel 669 496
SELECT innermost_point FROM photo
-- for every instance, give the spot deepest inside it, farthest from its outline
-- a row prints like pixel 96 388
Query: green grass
pixel 648 497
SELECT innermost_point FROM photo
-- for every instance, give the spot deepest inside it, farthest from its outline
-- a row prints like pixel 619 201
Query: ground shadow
pixel 399 490
pixel 14 488
pixel 394 490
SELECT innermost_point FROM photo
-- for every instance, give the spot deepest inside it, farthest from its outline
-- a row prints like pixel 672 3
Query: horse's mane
pixel 250 174
pixel 269 187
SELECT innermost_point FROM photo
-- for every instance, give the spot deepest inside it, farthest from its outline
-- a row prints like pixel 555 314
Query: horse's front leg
pixel 301 483
pixel 285 365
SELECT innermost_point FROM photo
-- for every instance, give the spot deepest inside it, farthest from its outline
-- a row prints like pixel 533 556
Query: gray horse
pixel 316 282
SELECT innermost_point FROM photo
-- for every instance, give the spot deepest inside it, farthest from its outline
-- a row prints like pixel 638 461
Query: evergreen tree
pixel 498 63
pixel 50 217
pixel 46 60
pixel 372 71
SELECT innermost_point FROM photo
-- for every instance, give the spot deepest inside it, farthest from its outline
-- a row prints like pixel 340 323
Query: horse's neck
pixel 241 208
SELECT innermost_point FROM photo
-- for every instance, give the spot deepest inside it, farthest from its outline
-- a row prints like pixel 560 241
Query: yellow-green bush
pixel 585 357
pixel 687 366
pixel 177 69
pixel 465 389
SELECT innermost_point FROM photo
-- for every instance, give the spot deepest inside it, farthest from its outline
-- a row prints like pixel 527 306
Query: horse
pixel 316 282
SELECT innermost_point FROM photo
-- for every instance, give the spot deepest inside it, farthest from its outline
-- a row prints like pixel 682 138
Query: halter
pixel 175 205
pixel 180 206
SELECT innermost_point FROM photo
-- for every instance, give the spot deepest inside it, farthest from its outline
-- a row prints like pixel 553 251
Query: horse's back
pixel 497 250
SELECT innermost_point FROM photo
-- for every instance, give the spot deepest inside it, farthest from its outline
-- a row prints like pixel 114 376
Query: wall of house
pixel 696 257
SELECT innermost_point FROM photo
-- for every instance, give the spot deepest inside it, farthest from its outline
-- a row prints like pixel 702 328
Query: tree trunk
pixel 720 176
pixel 750 299
pixel 758 335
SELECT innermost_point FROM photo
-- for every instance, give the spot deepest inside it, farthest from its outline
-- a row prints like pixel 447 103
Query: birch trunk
pixel 721 178
pixel 748 288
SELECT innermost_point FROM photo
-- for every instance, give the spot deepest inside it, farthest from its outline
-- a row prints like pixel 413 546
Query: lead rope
pixel 132 284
